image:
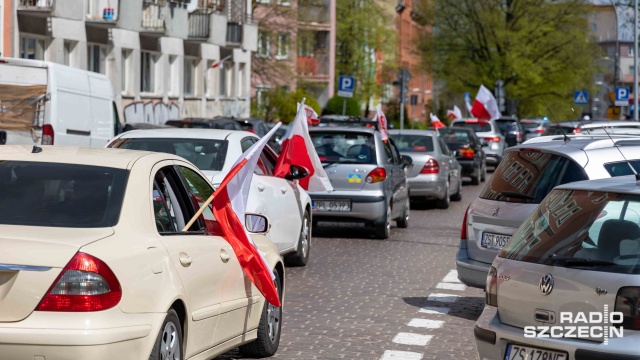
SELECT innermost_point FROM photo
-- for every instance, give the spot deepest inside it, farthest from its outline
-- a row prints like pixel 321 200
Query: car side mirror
pixel 256 223
pixel 296 172
pixel 406 160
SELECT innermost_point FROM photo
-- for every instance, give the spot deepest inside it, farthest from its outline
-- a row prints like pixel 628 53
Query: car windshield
pixel 527 176
pixel 345 147
pixel 413 143
pixel 477 126
pixel 506 126
pixel 60 195
pixel 206 154
pixel 587 229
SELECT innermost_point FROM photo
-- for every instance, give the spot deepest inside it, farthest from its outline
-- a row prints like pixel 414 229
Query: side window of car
pixel 390 155
pixel 443 147
pixel 268 162
pixel 199 191
pixel 246 143
pixel 176 200
pixel 165 220
pixel 397 158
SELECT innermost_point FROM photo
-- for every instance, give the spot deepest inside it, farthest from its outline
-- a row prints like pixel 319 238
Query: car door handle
pixel 224 255
pixel 185 260
pixel 260 187
pixel 283 189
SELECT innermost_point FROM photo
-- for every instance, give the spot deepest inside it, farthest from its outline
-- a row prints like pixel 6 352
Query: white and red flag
pixel 220 64
pixel 298 149
pixel 312 115
pixel 383 125
pixel 455 113
pixel 229 203
pixel 435 121
pixel 485 106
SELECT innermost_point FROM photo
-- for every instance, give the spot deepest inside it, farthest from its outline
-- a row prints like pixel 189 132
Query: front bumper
pixel 366 206
pixel 425 185
pixel 624 348
pixel 471 272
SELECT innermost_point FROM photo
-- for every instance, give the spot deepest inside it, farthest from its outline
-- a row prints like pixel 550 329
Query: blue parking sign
pixel 346 85
pixel 622 96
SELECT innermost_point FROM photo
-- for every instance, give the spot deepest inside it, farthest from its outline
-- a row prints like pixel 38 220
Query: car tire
pixel 484 172
pixel 458 195
pixel 403 220
pixel 383 229
pixel 301 256
pixel 268 339
pixel 168 344
pixel 446 200
pixel 475 180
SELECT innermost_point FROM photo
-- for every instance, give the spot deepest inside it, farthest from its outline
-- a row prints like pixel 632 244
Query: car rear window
pixel 477 126
pixel 206 154
pixel 507 125
pixel 60 195
pixel 413 143
pixel 622 168
pixel 346 147
pixel 527 176
pixel 597 231
pixel 455 138
pixel 530 124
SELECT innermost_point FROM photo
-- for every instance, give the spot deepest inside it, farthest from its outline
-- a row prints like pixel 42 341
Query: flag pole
pixel 198 213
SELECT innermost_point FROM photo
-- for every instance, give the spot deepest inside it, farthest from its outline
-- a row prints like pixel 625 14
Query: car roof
pixel 341 129
pixel 413 132
pixel 184 133
pixel 620 184
pixel 577 143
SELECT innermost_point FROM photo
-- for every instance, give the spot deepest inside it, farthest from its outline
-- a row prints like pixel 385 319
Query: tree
pixel 281 105
pixel 541 49
pixel 336 104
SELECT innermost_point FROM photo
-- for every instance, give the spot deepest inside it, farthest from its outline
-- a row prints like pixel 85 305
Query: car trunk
pixel 350 177
pixel 419 160
pixel 32 260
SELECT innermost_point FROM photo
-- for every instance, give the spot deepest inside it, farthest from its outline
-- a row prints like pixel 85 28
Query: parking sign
pixel 622 96
pixel 346 84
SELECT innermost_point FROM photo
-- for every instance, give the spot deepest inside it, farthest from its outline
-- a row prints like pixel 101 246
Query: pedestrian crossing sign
pixel 580 97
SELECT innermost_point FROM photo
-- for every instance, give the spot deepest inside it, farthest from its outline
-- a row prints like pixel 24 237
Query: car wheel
pixel 446 200
pixel 383 229
pixel 484 172
pixel 403 220
pixel 268 340
pixel 168 345
pixel 458 195
pixel 475 180
pixel 301 256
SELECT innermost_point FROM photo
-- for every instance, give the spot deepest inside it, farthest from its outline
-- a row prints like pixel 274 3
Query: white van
pixel 47 103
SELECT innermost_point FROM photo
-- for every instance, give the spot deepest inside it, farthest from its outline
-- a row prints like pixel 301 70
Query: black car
pixel 512 130
pixel 204 123
pixel 468 151
pixel 260 128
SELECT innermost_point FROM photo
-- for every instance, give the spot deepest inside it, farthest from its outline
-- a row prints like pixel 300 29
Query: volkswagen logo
pixel 546 284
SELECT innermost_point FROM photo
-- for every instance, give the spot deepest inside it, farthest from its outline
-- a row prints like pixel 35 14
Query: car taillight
pixel 539 131
pixel 85 284
pixel 47 135
pixel 491 289
pixel 628 303
pixel 467 153
pixel 463 232
pixel 519 136
pixel 492 139
pixel 376 175
pixel 430 167
pixel 576 131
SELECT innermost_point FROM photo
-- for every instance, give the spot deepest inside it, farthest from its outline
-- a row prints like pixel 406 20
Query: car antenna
pixel 624 157
pixel 566 138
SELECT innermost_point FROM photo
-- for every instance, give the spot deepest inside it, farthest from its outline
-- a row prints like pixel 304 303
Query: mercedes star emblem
pixel 546 284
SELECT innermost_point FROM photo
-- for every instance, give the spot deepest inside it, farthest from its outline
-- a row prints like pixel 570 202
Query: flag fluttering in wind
pixel 229 203
pixel 220 63
pixel 485 106
pixel 383 125
pixel 437 124
pixel 312 115
pixel 455 113
pixel 298 149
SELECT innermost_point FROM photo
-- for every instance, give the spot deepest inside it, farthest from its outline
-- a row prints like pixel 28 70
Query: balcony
pixel 314 12
pixel 234 33
pixel 313 65
pixel 36 5
pixel 102 11
pixel 153 15
pixel 199 24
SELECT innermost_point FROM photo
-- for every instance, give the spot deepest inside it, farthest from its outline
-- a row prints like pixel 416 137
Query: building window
pixel 263 1
pixel 148 65
pixel 264 44
pixel 241 76
pixel 262 99
pixel 594 27
pixel 189 76
pixel 69 53
pixel 174 76
pixel 284 2
pixel 32 48
pixel 283 46
pixel 210 82
pixel 226 79
pixel 96 58
pixel 125 71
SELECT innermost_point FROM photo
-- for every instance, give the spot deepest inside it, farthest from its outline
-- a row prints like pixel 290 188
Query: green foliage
pixel 336 104
pixel 542 50
pixel 281 105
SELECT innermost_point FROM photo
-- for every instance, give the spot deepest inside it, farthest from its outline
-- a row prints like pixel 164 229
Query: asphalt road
pixel 362 298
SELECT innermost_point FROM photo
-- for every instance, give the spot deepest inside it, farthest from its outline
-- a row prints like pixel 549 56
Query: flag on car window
pixel 435 121
pixel 312 115
pixel 298 149
pixel 485 106
pixel 383 125
pixel 229 203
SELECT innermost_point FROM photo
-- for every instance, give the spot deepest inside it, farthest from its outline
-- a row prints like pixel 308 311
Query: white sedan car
pixel 96 265
pixel 214 151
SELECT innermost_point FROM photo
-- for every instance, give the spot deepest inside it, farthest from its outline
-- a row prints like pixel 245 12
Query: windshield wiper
pixel 574 261
pixel 518 195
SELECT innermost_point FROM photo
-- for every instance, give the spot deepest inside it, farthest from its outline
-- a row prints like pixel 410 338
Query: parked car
pixel 260 128
pixel 434 174
pixel 203 123
pixel 577 255
pixel 588 126
pixel 367 175
pixel 214 152
pixel 468 151
pixel 534 127
pixel 99 264
pixel 526 175
pixel 281 133
pixel 142 126
pixel 512 130
pixel 488 132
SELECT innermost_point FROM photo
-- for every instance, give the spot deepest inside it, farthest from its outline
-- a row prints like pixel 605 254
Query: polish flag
pixel 383 125
pixel 312 115
pixel 455 113
pixel 229 203
pixel 437 124
pixel 220 64
pixel 485 106
pixel 298 149
pixel 468 104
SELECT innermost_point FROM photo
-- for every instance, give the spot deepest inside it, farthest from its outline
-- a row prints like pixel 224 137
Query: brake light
pixel 85 284
pixel 463 233
pixel 491 289
pixel 322 158
pixel 628 303
pixel 47 135
pixel 539 131
pixel 430 167
pixel 576 131
pixel 492 139
pixel 467 153
pixel 519 136
pixel 376 175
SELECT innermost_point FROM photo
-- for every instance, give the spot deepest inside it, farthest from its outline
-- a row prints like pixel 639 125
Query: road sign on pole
pixel 580 97
pixel 622 96
pixel 346 85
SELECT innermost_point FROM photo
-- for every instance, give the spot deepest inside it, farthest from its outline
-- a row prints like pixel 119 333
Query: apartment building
pixel 165 58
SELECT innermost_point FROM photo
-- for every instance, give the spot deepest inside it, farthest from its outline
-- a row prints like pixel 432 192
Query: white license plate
pixel 332 206
pixel 517 352
pixel 494 241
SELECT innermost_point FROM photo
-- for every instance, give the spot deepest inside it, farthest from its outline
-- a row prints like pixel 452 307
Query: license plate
pixel 494 241
pixel 332 205
pixel 517 352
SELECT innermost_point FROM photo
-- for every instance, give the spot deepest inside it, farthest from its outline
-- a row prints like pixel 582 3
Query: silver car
pixel 567 285
pixel 368 178
pixel 489 133
pixel 588 126
pixel 526 175
pixel 435 173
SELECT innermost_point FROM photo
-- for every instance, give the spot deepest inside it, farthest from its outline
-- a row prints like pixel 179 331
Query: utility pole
pixel 635 60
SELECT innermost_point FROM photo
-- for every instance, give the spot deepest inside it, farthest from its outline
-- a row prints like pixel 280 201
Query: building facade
pixel 165 58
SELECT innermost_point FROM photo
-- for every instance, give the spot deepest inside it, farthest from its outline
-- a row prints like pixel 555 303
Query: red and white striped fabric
pixel 437 124
pixel 229 203
pixel 383 125
pixel 312 115
pixel 455 113
pixel 485 106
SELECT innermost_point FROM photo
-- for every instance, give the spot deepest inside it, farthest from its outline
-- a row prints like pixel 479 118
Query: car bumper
pixel 489 325
pixel 430 186
pixel 469 167
pixel 364 207
pixel 471 272
pixel 63 336
pixel 493 159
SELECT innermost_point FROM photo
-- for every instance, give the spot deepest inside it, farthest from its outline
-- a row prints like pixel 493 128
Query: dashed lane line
pixel 451 277
pixel 400 355
pixel 445 298
pixel 451 286
pixel 412 339
pixel 434 310
pixel 426 323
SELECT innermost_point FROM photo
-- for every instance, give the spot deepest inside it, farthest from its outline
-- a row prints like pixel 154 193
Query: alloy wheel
pixel 170 345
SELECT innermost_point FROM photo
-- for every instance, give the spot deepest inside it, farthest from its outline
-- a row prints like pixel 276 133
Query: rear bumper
pixel 470 272
pixel 365 207
pixel 493 159
pixel 469 167
pixel 430 186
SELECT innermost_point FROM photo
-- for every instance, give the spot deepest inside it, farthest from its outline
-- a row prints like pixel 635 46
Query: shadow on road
pixel 464 307
pixel 343 230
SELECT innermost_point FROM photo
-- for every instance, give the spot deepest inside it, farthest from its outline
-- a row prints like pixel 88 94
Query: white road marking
pixel 451 286
pixel 446 298
pixel 434 310
pixel 425 323
pixel 452 277
pixel 412 339
pixel 400 355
